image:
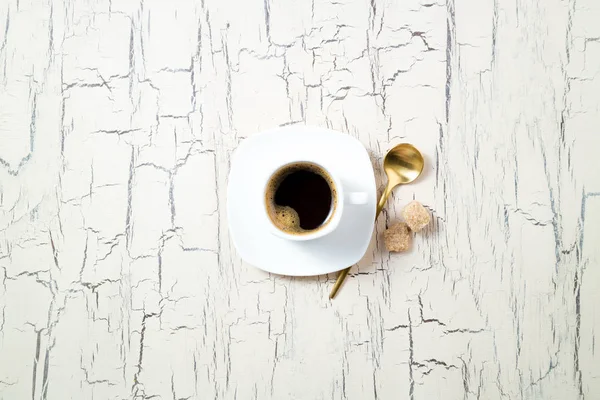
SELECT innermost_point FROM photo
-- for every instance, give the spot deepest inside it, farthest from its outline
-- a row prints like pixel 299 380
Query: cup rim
pixel 332 220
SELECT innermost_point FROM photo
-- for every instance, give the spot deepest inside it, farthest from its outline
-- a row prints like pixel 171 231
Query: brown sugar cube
pixel 416 216
pixel 397 237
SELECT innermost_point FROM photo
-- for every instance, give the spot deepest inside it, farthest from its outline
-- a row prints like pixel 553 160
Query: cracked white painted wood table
pixel 118 279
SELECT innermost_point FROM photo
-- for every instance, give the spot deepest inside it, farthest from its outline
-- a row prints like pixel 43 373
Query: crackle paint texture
pixel 119 279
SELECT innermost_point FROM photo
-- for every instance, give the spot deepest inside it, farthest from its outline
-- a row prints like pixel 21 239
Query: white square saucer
pixel 337 152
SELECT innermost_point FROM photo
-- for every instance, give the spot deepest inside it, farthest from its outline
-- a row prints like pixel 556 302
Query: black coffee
pixel 300 198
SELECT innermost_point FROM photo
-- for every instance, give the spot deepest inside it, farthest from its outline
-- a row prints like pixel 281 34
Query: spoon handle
pixel 384 198
pixel 343 273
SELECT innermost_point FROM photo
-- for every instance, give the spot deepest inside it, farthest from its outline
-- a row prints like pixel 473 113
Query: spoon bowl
pixel 403 164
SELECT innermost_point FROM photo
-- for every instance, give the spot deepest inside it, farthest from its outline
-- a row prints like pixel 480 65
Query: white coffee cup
pixel 341 198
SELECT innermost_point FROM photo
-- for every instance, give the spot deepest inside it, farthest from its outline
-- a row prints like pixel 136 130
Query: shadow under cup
pixel 301 199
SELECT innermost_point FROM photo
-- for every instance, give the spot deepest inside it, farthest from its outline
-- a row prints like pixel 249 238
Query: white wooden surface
pixel 118 279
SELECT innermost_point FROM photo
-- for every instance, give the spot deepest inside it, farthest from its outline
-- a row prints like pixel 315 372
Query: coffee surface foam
pixel 288 218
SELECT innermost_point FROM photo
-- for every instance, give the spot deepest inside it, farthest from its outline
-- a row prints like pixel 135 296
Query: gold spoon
pixel 402 164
